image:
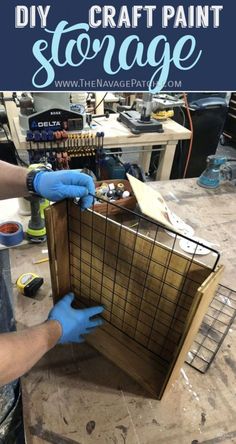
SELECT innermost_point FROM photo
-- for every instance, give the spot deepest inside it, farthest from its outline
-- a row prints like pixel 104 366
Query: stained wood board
pixel 56 219
pixel 201 302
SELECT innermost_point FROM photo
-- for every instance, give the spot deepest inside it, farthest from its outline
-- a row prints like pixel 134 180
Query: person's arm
pixel 12 181
pixel 19 351
pixel 53 185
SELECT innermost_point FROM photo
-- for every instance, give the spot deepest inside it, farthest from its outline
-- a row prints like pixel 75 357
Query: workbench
pixel 76 396
pixel 117 135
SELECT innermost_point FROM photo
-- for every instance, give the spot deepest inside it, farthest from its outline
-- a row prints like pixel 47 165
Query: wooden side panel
pixel 202 300
pixel 56 218
pixel 133 359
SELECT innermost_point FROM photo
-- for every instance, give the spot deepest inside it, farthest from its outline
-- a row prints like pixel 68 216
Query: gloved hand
pixel 58 185
pixel 74 323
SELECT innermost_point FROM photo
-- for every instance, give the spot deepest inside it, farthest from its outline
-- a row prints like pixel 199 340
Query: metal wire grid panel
pixel 136 270
pixel 214 328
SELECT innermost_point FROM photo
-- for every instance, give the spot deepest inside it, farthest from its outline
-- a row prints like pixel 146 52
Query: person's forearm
pixel 19 351
pixel 12 181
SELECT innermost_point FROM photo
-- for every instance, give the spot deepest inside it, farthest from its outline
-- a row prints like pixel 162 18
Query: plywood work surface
pixel 76 396
pixel 212 214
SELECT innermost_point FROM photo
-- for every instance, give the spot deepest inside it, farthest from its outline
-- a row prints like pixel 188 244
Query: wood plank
pixel 202 300
pixel 56 219
pixel 127 312
pixel 130 357
pixel 51 242
pixel 162 255
pixel 128 285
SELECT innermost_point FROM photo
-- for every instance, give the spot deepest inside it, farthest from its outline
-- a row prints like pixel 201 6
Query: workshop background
pixel 212 118
pixel 180 149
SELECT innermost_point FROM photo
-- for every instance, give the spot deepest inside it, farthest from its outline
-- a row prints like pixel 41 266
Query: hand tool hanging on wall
pixel 60 151
pixel 99 153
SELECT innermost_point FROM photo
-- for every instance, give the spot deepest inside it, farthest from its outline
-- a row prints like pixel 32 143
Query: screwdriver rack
pixel 65 140
pixel 59 152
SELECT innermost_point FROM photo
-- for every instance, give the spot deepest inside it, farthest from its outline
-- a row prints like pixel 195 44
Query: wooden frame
pixel 70 270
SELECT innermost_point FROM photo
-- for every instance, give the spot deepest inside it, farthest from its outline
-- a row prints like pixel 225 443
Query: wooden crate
pixel 155 297
pixel 129 202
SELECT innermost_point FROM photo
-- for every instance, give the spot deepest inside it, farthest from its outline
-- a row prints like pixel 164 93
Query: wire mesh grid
pixel 220 315
pixel 132 266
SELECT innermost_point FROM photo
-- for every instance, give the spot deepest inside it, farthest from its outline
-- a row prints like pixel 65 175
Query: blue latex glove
pixel 58 185
pixel 74 322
